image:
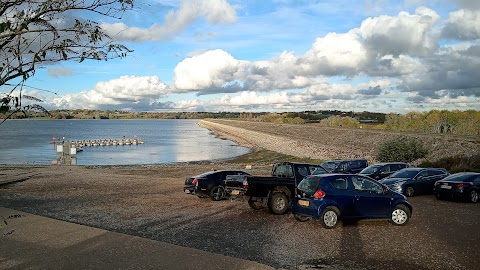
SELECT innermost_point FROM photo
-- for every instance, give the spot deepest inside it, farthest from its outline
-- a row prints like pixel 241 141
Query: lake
pixel 165 141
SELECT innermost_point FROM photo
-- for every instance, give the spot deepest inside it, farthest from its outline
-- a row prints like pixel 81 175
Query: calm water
pixel 166 141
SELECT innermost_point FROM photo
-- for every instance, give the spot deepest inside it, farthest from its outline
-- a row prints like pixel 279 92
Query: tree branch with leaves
pixel 36 33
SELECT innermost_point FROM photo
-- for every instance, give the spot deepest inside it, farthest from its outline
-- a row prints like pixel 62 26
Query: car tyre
pixel 330 217
pixel 217 193
pixel 301 218
pixel 400 215
pixel 254 204
pixel 409 191
pixel 278 203
pixel 473 196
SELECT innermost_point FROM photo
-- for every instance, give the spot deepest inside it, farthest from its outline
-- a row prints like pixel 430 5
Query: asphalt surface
pixel 440 235
pixel 34 242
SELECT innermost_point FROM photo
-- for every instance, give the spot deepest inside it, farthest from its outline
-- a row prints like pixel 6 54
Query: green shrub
pixel 401 149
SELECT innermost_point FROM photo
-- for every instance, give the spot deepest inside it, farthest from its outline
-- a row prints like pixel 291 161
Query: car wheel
pixel 217 193
pixel 278 203
pixel 301 218
pixel 439 197
pixel 329 217
pixel 409 192
pixel 400 215
pixel 254 204
pixel 473 196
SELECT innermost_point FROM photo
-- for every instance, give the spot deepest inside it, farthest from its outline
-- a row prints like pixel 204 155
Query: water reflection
pixel 166 141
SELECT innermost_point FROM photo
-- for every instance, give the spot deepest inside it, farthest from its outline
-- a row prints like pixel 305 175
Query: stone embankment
pixel 316 142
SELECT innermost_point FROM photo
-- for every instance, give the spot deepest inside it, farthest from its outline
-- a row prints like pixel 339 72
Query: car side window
pixel 395 167
pixel 284 170
pixel 385 169
pixel 339 183
pixel 303 171
pixel 366 185
pixel 421 175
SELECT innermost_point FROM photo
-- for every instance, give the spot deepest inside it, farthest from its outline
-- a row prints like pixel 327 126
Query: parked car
pixel 274 191
pixel 345 165
pixel 464 185
pixel 210 184
pixel 330 197
pixel 413 181
pixel 381 170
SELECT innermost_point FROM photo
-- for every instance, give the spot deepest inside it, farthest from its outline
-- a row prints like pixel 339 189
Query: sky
pixel 279 56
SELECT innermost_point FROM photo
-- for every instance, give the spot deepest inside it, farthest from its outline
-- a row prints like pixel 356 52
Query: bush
pixel 456 164
pixel 401 149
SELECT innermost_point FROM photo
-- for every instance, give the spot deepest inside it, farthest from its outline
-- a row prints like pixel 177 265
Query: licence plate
pixel 235 192
pixel 304 203
pixel 446 186
pixel 187 191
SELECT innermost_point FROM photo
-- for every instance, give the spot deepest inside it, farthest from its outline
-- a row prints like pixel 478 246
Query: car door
pixel 421 182
pixel 369 198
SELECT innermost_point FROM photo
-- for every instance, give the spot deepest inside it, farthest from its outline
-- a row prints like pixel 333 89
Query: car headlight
pixel 399 184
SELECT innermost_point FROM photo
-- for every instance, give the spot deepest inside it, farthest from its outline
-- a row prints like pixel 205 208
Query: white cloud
pixel 468 4
pixel 334 54
pixel 210 69
pixel 462 25
pixel 126 89
pixel 214 11
pixel 402 34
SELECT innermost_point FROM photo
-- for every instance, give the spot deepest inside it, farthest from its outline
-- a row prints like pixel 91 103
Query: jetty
pixel 106 142
pixel 72 147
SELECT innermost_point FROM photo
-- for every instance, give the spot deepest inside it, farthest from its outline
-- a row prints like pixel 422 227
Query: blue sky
pixel 250 56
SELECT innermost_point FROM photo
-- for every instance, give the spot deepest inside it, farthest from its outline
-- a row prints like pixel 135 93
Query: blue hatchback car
pixel 331 197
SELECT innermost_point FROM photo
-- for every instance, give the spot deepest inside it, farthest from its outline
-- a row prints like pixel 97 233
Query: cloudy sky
pixel 279 56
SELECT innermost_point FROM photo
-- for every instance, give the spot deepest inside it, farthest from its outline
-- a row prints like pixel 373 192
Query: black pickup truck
pixel 275 191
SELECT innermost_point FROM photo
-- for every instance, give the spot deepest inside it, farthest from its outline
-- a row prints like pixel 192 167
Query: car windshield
pixel 330 165
pixel 404 174
pixel 371 169
pixel 309 184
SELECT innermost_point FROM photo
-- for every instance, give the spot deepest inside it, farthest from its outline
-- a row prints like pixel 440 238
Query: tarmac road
pixel 440 235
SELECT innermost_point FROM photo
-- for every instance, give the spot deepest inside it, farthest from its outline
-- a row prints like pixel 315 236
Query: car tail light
pixel 195 180
pixel 245 184
pixel 319 194
pixel 462 185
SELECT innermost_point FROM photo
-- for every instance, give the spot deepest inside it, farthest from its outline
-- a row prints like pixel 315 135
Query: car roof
pixel 461 176
pixel 217 171
pixel 353 159
pixel 388 163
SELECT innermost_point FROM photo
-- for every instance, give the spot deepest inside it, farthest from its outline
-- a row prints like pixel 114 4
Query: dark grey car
pixel 413 181
pixel 382 170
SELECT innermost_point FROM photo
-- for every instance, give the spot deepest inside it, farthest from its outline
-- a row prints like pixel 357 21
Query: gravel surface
pixel 148 201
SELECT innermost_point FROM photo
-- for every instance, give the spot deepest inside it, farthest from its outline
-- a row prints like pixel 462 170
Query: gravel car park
pixel 440 234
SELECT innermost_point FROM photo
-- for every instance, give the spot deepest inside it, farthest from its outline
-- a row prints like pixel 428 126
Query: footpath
pixel 34 242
